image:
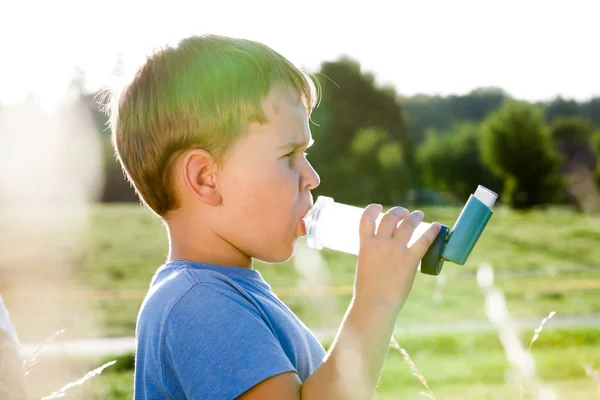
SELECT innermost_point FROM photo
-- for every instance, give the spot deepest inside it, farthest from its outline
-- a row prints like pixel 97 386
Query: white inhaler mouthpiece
pixel 335 226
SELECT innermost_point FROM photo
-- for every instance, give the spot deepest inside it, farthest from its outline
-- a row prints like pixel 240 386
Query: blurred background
pixel 422 102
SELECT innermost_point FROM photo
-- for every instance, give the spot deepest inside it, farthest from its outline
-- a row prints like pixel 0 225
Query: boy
pixel 212 135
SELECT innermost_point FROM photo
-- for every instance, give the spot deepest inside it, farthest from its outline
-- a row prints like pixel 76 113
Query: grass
pixel 126 244
pixel 118 387
pixel 456 366
pixel 544 261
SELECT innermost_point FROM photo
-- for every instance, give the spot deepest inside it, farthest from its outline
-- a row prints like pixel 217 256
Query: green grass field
pixel 456 366
pixel 552 250
pixel 126 244
pixel 544 261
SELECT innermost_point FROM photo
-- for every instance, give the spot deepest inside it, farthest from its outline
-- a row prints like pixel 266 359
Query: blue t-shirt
pixel 213 332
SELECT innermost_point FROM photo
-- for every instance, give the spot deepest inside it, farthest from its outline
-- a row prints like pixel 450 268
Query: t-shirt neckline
pixel 238 273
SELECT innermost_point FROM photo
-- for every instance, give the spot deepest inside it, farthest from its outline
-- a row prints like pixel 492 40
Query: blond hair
pixel 199 94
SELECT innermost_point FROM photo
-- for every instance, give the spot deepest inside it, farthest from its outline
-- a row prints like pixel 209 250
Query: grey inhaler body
pixel 335 226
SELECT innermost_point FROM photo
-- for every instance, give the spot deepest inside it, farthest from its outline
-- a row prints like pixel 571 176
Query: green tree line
pixel 372 145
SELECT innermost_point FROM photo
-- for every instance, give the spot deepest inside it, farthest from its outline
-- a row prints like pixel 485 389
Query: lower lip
pixel 302 228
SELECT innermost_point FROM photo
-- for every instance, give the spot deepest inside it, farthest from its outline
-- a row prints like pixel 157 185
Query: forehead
pixel 286 116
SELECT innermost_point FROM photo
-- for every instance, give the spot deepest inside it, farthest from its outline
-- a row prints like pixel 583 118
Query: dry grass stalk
pixel 521 362
pixel 32 361
pixel 89 375
pixel 536 334
pixel 413 368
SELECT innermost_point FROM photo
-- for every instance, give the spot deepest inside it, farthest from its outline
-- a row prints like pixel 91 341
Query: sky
pixel 534 50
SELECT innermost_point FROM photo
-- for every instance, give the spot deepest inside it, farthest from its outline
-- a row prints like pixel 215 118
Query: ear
pixel 200 176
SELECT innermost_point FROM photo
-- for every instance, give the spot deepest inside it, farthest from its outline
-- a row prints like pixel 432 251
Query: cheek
pixel 277 187
pixel 284 184
pixel 275 199
pixel 262 188
pixel 263 195
pixel 273 178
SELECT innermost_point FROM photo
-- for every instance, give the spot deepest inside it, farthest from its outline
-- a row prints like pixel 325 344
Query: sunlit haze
pixel 534 50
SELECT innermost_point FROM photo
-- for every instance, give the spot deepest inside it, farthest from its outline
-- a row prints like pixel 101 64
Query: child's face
pixel 266 183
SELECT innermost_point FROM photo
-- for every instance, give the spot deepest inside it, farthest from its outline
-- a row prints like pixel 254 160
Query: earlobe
pixel 201 177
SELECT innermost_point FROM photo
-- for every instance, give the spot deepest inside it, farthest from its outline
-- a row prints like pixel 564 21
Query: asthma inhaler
pixel 334 226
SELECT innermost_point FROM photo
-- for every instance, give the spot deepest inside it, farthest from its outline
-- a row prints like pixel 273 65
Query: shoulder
pixel 210 302
pixel 215 342
pixel 183 291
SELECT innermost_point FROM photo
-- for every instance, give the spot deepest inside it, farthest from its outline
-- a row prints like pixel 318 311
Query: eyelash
pixel 289 155
pixel 293 152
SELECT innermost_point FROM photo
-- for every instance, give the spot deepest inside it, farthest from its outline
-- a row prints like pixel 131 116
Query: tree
pixel 354 113
pixel 352 101
pixel 515 144
pixel 574 130
pixel 571 138
pixel 591 110
pixel 595 145
pixel 440 113
pixel 451 161
pixel 560 107
pixel 371 171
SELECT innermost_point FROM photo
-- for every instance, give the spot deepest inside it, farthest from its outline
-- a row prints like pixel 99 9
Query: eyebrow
pixel 297 145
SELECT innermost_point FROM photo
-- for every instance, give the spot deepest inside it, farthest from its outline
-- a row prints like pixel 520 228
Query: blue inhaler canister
pixel 335 226
pixel 456 245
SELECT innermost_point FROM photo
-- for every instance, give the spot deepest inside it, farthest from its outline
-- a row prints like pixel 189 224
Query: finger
pixel 421 245
pixel 406 229
pixel 367 221
pixel 390 220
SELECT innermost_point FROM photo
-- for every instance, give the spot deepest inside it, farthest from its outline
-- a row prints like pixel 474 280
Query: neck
pixel 192 241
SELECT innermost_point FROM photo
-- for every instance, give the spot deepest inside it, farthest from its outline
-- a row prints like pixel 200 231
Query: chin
pixel 282 254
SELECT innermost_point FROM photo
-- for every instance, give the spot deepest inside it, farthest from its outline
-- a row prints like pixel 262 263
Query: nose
pixel 311 179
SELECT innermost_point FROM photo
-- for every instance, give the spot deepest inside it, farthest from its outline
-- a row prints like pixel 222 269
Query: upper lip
pixel 307 210
pixel 310 205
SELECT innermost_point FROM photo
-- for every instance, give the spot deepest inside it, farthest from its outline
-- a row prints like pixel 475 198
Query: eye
pixel 290 157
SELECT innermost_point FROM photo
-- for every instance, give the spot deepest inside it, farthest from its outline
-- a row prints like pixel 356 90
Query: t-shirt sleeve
pixel 216 345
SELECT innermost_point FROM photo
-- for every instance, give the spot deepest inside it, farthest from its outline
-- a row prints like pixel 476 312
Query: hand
pixel 386 266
